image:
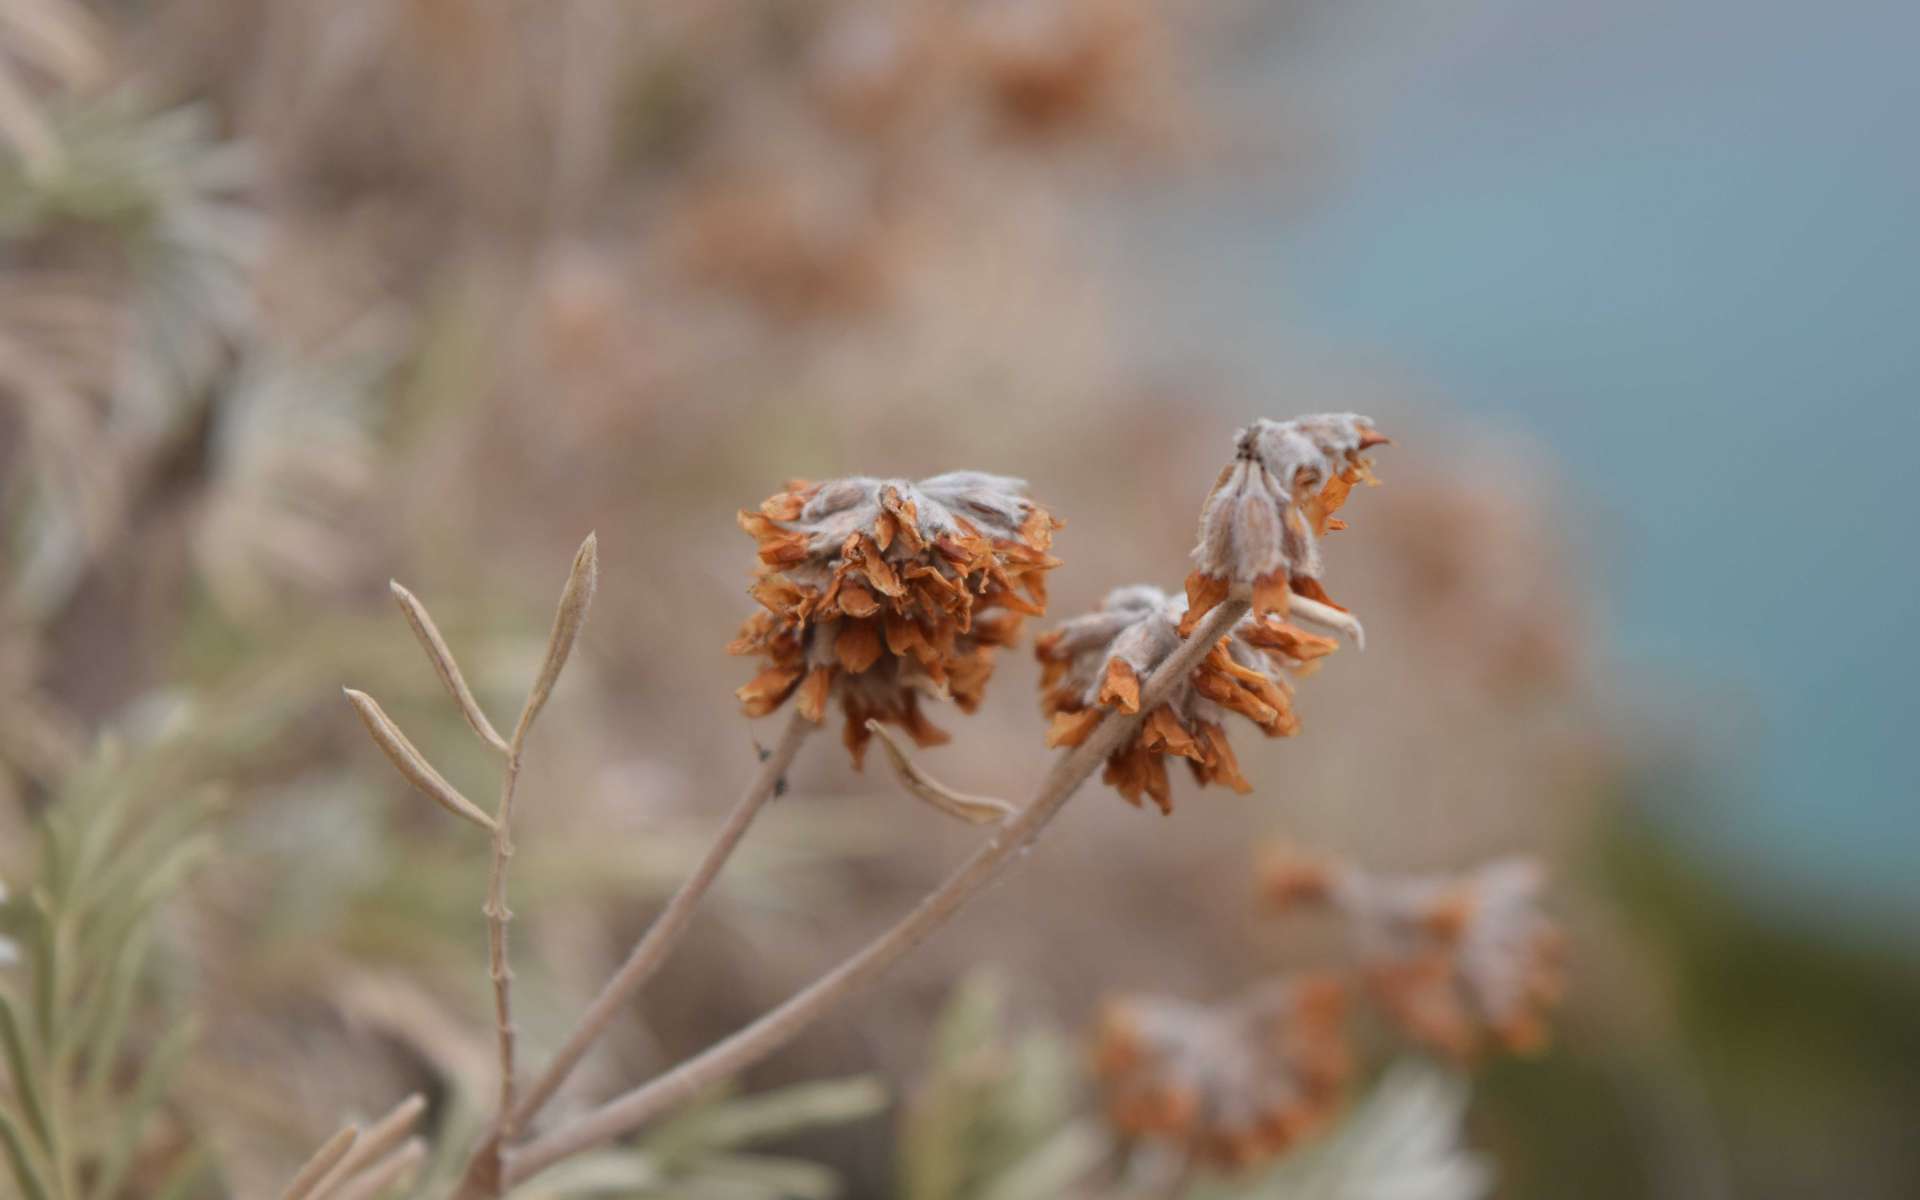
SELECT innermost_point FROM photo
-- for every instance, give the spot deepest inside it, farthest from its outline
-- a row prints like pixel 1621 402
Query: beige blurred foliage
pixel 428 288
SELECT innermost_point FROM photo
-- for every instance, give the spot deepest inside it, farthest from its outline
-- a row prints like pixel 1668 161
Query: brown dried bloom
pixel 878 590
pixel 1260 526
pixel 1461 963
pixel 1097 661
pixel 1231 1085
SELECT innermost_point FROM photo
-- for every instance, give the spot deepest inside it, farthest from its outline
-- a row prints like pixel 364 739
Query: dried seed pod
pixel 583 579
pixel 1261 524
pixel 877 592
pixel 444 665
pixel 1096 662
pixel 1231 1085
pixel 1461 963
pixel 412 765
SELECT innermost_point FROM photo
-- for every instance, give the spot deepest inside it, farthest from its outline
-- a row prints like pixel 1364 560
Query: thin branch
pixel 483 1175
pixel 385 1173
pixel 498 917
pixel 385 1134
pixel 780 1026
pixel 975 810
pixel 668 928
pixel 315 1169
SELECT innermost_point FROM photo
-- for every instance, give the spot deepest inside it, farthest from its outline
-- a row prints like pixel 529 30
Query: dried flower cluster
pixel 1260 527
pixel 1231 1085
pixel 1461 963
pixel 877 591
pixel 1096 662
pixel 874 592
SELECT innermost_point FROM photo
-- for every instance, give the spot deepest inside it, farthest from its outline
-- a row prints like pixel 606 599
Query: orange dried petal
pixel 765 691
pixel 1121 686
pixel 812 701
pixel 857 646
pixel 1203 593
pixel 1072 728
pixel 1271 593
pixel 1289 639
pixel 1309 587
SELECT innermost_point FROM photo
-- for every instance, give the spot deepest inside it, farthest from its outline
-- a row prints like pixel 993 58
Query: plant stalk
pixel 781 1025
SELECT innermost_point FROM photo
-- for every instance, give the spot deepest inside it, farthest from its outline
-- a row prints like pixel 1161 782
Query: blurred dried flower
pixel 1048 64
pixel 795 243
pixel 1097 661
pixel 1233 1084
pixel 865 66
pixel 1259 526
pixel 879 590
pixel 1459 962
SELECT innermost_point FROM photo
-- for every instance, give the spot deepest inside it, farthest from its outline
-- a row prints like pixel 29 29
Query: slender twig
pixel 667 929
pixel 382 1136
pixel 779 1026
pixel 315 1169
pixel 384 1174
pixel 499 916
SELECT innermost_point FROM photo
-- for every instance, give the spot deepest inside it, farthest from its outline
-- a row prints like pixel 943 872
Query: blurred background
pixel 298 295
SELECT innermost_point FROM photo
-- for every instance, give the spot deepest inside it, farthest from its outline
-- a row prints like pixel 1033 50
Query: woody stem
pixel 781 1025
pixel 667 929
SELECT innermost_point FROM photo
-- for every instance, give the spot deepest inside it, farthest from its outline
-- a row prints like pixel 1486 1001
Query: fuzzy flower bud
pixel 1096 662
pixel 1460 963
pixel 1260 526
pixel 1231 1085
pixel 877 591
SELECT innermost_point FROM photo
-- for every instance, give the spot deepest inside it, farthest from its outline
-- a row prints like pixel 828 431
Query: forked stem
pixel 781 1025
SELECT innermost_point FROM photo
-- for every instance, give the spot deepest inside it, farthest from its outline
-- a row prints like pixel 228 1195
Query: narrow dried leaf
pixel 383 1135
pixel 444 665
pixel 411 764
pixel 977 810
pixel 315 1169
pixel 575 599
pixel 384 1174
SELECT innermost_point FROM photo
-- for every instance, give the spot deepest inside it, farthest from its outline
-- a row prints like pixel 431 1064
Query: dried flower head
pixel 1461 963
pixel 1260 526
pixel 876 591
pixel 1231 1085
pixel 1096 662
pixel 1051 65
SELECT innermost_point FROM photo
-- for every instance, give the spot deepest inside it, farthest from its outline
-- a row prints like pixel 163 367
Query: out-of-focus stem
pixel 779 1026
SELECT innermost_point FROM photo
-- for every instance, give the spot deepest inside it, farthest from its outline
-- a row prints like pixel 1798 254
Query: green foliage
pixel 995 1117
pixel 702 1154
pixel 87 1069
